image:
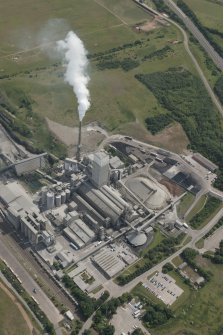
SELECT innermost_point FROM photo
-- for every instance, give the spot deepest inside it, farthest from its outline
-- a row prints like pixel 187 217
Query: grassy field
pixel 200 244
pixel 177 261
pixel 212 73
pixel 195 312
pixel 206 210
pixel 11 319
pixel 185 204
pixel 210 13
pixel 197 208
pixel 158 237
pixel 199 312
pixel 118 99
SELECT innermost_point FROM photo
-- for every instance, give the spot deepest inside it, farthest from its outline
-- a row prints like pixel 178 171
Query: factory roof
pixel 84 227
pixel 78 232
pixel 14 194
pixel 106 201
pixel 116 163
pixel 101 158
pixel 136 238
pixel 205 162
pixel 109 263
pixel 73 237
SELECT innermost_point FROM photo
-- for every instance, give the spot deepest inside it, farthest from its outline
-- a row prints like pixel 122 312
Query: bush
pixel 167 268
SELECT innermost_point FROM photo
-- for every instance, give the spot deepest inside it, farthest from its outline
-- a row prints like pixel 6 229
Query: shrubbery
pixel 210 206
pixel 106 312
pixel 86 304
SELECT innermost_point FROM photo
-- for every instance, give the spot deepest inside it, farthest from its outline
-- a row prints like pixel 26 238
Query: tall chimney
pixel 79 143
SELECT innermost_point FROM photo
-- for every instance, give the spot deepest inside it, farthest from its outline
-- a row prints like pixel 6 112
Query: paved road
pixel 116 290
pixel 28 283
pixel 186 45
pixel 197 34
pixel 196 236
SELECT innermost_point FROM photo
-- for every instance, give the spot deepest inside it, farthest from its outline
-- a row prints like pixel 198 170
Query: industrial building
pixel 116 163
pixel 30 164
pixel 78 232
pixel 99 163
pixel 54 195
pixel 105 201
pixel 205 162
pixel 136 238
pixel 24 215
pixel 108 263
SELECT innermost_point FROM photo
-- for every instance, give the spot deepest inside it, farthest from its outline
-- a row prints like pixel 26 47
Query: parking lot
pixel 125 322
pixel 164 288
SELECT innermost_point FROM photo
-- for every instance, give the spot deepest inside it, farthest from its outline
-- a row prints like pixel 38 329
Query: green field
pixel 118 100
pixel 197 208
pixel 204 211
pixel 185 204
pixel 210 13
pixel 198 312
pixel 195 311
pixel 11 319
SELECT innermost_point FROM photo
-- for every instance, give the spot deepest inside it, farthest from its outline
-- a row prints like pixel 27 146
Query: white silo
pixel 63 197
pixel 67 191
pixel 50 200
pixel 58 200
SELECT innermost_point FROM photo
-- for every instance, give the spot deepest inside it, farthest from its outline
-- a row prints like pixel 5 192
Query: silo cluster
pixel 55 196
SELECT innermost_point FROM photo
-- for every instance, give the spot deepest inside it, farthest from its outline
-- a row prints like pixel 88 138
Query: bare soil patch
pixel 92 136
pixel 172 138
pixel 148 26
pixel 173 188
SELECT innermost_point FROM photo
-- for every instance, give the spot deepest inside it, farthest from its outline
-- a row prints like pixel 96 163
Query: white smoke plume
pixel 76 62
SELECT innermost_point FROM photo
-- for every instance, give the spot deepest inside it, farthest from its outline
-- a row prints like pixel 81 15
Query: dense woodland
pixel 188 103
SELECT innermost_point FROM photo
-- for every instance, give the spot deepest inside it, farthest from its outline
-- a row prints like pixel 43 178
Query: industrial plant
pixel 99 209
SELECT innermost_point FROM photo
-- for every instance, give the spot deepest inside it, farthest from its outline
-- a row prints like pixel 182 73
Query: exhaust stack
pixel 78 156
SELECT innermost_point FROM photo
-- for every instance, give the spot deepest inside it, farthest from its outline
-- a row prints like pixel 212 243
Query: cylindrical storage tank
pixel 67 191
pixel 63 197
pixel 58 200
pixel 50 200
pixel 44 191
pixel 59 189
